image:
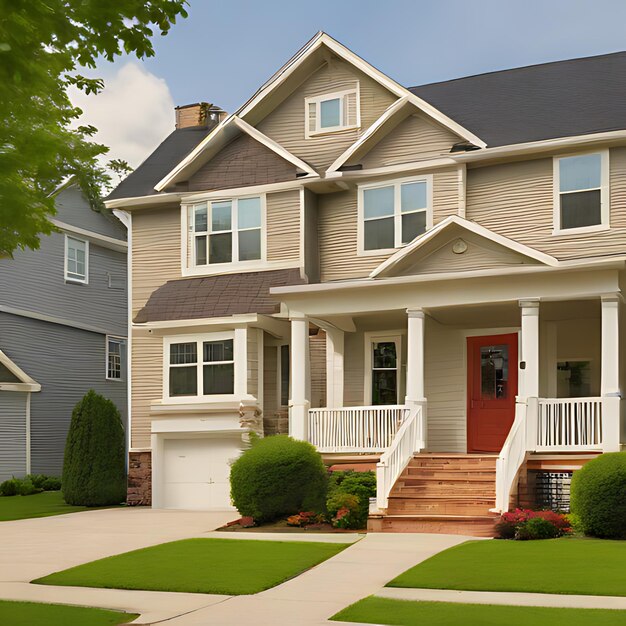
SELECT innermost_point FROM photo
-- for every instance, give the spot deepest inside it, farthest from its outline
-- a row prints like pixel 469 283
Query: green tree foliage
pixel 94 468
pixel 276 477
pixel 42 45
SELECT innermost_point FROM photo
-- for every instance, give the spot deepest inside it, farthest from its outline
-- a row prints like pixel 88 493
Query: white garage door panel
pixel 196 471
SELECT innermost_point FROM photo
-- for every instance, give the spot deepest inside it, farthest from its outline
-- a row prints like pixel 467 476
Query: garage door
pixel 195 472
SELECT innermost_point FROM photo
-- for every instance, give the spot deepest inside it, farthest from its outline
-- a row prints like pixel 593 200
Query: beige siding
pixel 414 139
pixel 156 251
pixel 286 123
pixel 445 195
pixel 252 356
pixel 147 384
pixel 317 351
pixel 516 200
pixel 275 418
pixel 283 226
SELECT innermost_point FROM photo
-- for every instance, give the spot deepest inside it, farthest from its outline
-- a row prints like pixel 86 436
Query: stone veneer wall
pixel 139 479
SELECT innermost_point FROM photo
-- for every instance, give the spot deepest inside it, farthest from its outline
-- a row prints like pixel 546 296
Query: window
pixel 76 259
pixel 332 112
pixel 574 379
pixel 202 368
pixel 581 192
pixel 115 358
pixel 393 214
pixel 385 359
pixel 226 231
pixel 284 375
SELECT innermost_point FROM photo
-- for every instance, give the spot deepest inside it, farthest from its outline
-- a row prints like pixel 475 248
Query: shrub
pixel 27 488
pixel 51 483
pixel 359 484
pixel 94 464
pixel 10 487
pixel 537 528
pixel 278 476
pixel 597 496
pixel 512 522
pixel 344 510
pixel 36 479
pixel 305 518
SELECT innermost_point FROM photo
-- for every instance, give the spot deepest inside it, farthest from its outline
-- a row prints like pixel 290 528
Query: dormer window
pixel 332 112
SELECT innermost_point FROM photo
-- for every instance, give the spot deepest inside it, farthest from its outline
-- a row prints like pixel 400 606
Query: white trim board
pixel 102 240
pixel 26 382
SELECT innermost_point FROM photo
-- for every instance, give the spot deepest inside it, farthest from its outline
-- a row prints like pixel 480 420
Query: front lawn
pixel 29 613
pixel 374 610
pixel 568 565
pixel 223 566
pixel 39 505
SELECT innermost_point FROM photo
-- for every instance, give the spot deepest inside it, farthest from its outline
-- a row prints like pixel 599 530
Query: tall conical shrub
pixel 94 472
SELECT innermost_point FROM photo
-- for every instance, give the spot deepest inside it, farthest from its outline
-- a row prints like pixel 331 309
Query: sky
pixel 225 50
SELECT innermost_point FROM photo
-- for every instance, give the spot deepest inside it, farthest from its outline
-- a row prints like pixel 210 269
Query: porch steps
pixel 442 493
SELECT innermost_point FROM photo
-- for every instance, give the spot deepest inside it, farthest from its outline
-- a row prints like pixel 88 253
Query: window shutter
pixel 190 241
pixel 349 112
pixel 312 117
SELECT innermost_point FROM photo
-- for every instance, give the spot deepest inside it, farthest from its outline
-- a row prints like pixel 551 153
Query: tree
pixel 42 45
pixel 94 467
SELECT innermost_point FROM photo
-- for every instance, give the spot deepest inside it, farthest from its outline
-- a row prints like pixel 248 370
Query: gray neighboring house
pixel 63 331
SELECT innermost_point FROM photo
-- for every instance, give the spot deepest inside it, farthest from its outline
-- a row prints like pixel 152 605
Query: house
pixel 426 277
pixel 63 328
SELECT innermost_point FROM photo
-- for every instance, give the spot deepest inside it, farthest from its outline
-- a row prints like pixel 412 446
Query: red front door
pixel 491 391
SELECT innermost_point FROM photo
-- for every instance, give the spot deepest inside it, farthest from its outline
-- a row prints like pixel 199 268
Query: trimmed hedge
pixel 94 468
pixel 278 476
pixel 598 496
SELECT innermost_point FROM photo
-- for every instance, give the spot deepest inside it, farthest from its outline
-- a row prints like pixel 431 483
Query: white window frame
pixel 317 101
pixel 605 208
pixel 239 337
pixel 123 357
pixel 376 337
pixel 397 211
pixel 74 279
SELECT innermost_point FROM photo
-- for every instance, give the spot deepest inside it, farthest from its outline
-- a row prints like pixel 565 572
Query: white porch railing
pixel 408 440
pixel 569 424
pixel 355 429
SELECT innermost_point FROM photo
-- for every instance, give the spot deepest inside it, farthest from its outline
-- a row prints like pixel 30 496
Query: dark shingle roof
pixel 560 99
pixel 170 152
pixel 217 296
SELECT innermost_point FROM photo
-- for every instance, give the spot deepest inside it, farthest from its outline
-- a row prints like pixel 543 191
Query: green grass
pixel 223 566
pixel 29 613
pixel 402 613
pixel 568 565
pixel 38 505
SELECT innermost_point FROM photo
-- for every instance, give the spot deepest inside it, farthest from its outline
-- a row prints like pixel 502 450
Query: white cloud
pixel 133 113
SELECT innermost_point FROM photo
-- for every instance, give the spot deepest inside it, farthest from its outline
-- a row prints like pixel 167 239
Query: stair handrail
pixel 408 441
pixel 512 455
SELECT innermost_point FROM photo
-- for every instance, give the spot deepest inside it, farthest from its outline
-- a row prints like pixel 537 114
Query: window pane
pixel 201 250
pixel 413 196
pixel 574 379
pixel 378 202
pixel 200 218
pixel 330 113
pixel 114 363
pixel 183 381
pixel 580 209
pixel 220 216
pixel 219 379
pixel 220 248
pixel 384 387
pixel 249 213
pixel 494 372
pixel 284 375
pixel 218 350
pixel 413 224
pixel 249 245
pixel 181 353
pixel 385 354
pixel 379 234
pixel 580 172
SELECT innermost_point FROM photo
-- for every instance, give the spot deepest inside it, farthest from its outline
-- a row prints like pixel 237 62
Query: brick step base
pixel 471 525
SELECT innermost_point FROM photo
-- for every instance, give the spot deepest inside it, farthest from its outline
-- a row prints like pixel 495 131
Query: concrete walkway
pixel 504 597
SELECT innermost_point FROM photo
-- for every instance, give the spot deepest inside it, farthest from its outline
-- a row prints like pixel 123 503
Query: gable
pixel 413 139
pixel 285 124
pixel 244 161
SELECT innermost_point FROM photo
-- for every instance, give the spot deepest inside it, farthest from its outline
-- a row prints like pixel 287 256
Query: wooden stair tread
pixel 441 518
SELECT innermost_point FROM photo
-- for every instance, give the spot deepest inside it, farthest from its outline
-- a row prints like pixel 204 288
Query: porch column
pixel 415 357
pixel 529 374
pixel 609 373
pixel 334 367
pixel 299 401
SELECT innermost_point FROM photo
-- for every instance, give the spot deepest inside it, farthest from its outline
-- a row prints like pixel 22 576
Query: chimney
pixel 200 114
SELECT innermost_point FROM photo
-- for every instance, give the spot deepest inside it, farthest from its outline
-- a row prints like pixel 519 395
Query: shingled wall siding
pixel 242 162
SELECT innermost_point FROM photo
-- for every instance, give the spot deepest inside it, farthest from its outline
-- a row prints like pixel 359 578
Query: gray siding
pixel 66 362
pixel 12 434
